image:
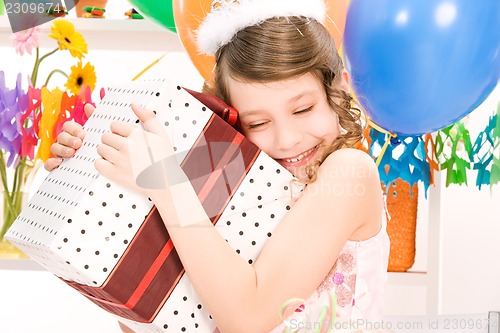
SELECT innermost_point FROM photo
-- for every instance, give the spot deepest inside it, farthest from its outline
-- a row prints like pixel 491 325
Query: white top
pixel 357 279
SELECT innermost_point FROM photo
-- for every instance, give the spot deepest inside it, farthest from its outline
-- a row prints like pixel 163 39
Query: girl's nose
pixel 287 137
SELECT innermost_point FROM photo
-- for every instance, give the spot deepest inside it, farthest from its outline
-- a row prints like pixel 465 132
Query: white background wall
pixel 469 242
pixel 471 237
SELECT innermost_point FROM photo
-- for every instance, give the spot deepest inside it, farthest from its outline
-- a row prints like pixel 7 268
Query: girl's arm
pixel 294 261
pixel 343 203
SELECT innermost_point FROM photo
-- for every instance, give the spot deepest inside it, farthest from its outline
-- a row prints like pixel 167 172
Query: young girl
pixel 279 67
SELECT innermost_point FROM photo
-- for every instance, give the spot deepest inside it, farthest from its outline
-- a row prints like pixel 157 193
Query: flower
pixel 31 119
pixel 11 104
pixel 26 40
pixel 80 77
pixel 51 102
pixel 64 32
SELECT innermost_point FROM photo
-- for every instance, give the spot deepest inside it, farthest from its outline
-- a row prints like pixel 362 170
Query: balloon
pixel 188 15
pixel 419 66
pixel 157 11
pixel 336 11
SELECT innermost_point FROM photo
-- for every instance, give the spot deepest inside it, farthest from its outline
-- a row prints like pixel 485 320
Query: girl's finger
pixel 104 167
pixel 149 120
pixel 108 153
pixel 89 109
pixel 73 128
pixel 52 163
pixel 61 151
pixel 68 140
pixel 143 114
pixel 122 128
pixel 114 140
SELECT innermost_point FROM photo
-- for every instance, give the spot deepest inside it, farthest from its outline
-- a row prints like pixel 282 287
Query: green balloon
pixel 160 12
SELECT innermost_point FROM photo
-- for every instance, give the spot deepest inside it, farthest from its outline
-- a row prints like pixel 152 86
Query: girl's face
pixel 290 120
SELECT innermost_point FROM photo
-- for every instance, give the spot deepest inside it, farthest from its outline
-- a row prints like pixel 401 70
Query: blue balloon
pixel 419 66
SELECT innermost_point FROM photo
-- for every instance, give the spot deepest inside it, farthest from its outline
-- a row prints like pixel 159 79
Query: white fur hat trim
pixel 231 16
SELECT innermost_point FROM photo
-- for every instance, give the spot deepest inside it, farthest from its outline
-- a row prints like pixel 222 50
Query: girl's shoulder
pixel 350 162
pixel 353 174
pixel 350 153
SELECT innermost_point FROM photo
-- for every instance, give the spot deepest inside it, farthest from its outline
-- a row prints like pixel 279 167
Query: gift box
pixel 110 243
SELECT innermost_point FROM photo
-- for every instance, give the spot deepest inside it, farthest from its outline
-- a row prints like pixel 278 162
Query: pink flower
pixel 26 40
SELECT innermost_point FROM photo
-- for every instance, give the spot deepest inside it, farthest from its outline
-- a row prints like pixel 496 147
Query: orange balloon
pixel 336 13
pixel 188 14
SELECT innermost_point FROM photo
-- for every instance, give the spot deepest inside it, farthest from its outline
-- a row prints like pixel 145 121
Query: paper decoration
pixel 456 165
pixel 91 233
pixel 415 158
pixel 405 157
pixel 495 167
pixel 482 153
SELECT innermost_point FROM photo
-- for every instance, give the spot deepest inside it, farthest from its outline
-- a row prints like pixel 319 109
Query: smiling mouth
pixel 301 156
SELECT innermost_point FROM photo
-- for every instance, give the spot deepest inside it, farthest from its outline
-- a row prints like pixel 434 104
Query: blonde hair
pixel 286 47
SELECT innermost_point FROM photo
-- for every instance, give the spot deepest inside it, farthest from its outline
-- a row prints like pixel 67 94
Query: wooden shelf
pixel 109 34
pixel 408 278
pixel 20 265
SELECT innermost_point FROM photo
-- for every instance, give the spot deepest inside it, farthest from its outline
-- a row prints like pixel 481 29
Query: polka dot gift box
pixel 111 245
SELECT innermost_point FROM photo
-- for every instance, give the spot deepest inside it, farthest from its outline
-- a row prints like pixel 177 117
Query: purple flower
pixel 13 102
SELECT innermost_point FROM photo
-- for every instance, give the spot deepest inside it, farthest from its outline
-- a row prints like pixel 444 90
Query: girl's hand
pixel 68 141
pixel 138 157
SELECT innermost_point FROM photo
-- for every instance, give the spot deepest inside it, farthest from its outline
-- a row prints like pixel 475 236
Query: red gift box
pixel 121 258
pixel 149 270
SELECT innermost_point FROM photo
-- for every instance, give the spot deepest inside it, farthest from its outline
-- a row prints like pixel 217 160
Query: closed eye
pixel 304 110
pixel 256 125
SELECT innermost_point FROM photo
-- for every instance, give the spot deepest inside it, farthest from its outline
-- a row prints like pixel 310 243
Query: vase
pixel 11 211
pixel 9 251
pixel 90 3
pixel 13 204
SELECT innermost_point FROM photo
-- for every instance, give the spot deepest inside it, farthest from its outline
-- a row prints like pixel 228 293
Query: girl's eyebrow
pixel 292 100
pixel 249 113
pixel 306 93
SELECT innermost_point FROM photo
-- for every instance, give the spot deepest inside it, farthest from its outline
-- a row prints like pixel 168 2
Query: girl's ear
pixel 344 83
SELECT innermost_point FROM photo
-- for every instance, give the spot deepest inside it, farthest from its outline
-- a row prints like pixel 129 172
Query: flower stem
pixel 33 73
pixel 46 55
pixel 52 73
pixel 18 174
pixel 3 172
pixel 37 65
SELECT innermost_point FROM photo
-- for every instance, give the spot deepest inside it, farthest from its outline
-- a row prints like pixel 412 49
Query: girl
pixel 279 67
